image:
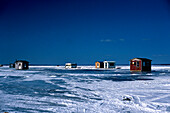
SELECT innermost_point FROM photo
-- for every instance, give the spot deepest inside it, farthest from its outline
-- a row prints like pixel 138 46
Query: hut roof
pixel 22 61
pixel 141 59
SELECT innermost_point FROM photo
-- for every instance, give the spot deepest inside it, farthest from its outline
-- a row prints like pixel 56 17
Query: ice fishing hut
pixel 21 64
pixel 140 64
pixel 70 65
pixel 109 64
pixel 99 64
pixel 105 64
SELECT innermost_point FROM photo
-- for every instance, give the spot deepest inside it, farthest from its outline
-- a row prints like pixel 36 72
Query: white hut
pixel 109 64
pixel 21 64
pixel 70 65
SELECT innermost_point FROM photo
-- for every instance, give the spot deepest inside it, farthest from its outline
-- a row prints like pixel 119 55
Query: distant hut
pixel 140 64
pixel 70 65
pixel 11 65
pixel 1 65
pixel 109 64
pixel 99 64
pixel 105 64
pixel 21 64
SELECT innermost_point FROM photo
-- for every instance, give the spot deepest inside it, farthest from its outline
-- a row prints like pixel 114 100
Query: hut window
pixel 134 63
pixel 143 63
pixel 137 63
pixel 111 64
pixel 74 64
pixel 97 64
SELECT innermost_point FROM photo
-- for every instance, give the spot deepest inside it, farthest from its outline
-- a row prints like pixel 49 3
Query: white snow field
pixel 84 90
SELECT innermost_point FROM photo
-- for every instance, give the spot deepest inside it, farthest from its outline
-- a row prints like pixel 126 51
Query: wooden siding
pixel 146 66
pixel 136 65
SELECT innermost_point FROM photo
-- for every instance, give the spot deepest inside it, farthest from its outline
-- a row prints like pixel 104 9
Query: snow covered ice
pixel 84 90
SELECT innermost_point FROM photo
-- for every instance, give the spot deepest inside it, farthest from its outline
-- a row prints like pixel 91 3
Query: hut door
pixel 20 65
pixel 105 65
pixel 98 65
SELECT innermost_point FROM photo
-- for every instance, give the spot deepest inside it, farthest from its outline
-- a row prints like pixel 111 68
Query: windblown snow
pixel 84 90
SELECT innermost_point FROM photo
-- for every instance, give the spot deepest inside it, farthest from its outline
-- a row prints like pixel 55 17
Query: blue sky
pixel 84 31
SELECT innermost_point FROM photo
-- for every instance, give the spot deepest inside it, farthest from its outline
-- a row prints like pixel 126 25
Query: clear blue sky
pixel 84 31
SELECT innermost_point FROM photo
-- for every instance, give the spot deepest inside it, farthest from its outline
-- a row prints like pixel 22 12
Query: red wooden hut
pixel 140 64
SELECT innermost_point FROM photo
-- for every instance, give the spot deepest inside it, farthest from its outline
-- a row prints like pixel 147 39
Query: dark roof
pixel 22 61
pixel 141 59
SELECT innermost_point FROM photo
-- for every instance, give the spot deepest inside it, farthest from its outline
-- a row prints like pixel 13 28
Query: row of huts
pixel 136 64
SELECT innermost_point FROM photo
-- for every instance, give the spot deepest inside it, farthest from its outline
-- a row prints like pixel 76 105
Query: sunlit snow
pixel 84 90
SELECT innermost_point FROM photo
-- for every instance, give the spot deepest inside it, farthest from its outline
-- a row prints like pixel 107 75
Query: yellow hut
pixel 99 64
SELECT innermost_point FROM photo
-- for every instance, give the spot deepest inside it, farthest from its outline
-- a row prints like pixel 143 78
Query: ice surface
pixel 84 90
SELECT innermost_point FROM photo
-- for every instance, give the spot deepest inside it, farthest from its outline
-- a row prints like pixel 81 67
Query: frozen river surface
pixel 84 90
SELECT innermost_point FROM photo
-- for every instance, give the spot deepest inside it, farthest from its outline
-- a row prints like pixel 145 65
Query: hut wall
pixel 146 65
pixel 136 65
